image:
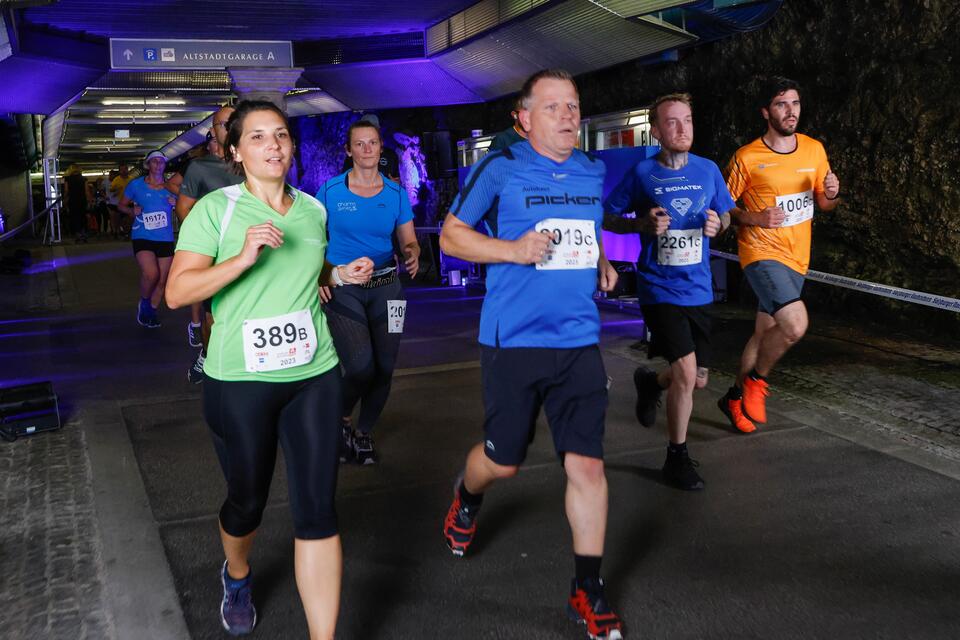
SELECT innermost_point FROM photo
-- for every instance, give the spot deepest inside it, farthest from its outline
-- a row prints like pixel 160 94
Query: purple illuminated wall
pixel 320 140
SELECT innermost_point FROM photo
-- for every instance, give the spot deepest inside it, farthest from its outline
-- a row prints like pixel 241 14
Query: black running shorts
pixel 677 331
pixel 160 249
pixel 569 384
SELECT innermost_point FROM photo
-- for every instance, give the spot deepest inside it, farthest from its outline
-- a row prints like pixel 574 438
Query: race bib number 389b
pixel 279 342
pixel 574 244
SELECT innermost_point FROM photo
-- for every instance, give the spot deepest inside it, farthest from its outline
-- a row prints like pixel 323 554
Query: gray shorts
pixel 775 284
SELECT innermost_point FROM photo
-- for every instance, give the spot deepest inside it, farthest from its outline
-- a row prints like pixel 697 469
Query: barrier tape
pixel 886 291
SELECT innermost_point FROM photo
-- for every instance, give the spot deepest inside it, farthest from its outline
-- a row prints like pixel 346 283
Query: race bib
pixel 574 245
pixel 279 342
pixel 679 248
pixel 396 312
pixel 155 220
pixel 797 208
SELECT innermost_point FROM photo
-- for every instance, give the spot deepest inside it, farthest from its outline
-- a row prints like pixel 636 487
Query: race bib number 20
pixel 574 244
pixel 396 314
pixel 280 342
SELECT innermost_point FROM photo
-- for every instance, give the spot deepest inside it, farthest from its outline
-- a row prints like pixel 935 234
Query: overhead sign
pixel 134 53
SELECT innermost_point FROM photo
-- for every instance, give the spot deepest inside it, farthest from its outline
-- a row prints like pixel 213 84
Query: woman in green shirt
pixel 258 249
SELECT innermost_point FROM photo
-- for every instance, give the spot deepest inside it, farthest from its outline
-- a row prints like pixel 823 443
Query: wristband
pixel 335 276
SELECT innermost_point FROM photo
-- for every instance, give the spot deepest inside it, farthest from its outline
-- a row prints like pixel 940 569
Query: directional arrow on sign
pixel 127 54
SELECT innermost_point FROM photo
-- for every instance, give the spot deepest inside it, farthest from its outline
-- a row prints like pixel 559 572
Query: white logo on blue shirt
pixel 681 205
pixel 346 206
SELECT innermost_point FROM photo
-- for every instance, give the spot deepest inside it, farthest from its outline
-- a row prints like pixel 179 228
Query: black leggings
pixel 247 419
pixel 368 352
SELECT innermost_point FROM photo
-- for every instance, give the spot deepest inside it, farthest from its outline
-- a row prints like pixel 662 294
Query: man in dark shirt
pixel 511 135
pixel 204 175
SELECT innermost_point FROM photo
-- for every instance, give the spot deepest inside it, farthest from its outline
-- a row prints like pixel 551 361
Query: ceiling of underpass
pixel 356 54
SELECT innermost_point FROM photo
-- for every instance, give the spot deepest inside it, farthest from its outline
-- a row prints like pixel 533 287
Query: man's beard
pixel 782 129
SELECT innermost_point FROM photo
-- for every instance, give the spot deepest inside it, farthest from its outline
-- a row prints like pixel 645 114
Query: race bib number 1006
pixel 574 244
pixel 797 208
pixel 279 342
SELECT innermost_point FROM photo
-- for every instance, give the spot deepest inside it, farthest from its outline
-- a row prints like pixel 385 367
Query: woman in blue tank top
pixel 365 210
pixel 150 204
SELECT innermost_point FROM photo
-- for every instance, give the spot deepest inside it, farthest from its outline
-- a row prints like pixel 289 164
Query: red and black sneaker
pixel 588 606
pixel 459 525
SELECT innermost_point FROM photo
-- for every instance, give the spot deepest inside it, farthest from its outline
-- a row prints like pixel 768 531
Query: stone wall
pixel 879 80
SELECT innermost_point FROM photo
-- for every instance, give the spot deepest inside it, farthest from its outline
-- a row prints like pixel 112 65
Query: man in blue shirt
pixel 676 197
pixel 539 328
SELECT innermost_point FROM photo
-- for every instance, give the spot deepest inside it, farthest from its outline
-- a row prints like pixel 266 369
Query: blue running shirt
pixel 511 191
pixel 155 222
pixel 665 271
pixel 360 226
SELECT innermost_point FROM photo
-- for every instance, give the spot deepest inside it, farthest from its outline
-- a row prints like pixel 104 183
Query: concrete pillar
pixel 271 84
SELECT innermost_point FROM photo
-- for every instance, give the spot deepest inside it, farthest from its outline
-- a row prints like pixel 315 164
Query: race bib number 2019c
pixel 280 342
pixel 574 244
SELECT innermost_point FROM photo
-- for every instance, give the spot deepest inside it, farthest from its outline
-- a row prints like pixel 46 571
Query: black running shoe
pixel 648 395
pixel 363 449
pixel 195 372
pixel 194 335
pixel 681 471
pixel 588 606
pixel 346 442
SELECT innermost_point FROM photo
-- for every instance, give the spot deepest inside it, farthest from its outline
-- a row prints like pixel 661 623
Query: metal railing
pixel 46 212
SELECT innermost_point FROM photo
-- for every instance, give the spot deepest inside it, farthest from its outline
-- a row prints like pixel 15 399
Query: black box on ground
pixel 28 409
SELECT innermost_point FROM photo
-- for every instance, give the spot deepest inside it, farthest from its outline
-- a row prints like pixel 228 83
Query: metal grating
pixel 634 8
pixel 575 35
pixel 475 20
pixel 164 81
pixel 313 102
pixel 242 19
pixel 346 50
pixel 386 85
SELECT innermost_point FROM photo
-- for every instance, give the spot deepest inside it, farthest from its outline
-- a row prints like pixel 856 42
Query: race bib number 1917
pixel 155 220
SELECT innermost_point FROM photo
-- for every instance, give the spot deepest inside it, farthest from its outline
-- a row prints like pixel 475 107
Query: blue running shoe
pixel 237 612
pixel 143 313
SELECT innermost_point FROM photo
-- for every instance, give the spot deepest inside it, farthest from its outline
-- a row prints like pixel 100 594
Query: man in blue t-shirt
pixel 539 328
pixel 676 197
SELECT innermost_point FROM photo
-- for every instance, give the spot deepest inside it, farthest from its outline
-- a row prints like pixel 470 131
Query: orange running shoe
pixel 755 394
pixel 588 606
pixel 733 409
pixel 459 526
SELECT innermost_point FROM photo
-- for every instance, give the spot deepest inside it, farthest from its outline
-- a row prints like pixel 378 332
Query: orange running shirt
pixel 759 177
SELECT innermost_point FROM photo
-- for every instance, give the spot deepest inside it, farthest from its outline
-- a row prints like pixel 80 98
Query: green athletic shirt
pixel 282 281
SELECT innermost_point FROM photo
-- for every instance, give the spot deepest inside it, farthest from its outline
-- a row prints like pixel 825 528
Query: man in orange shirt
pixel 776 179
